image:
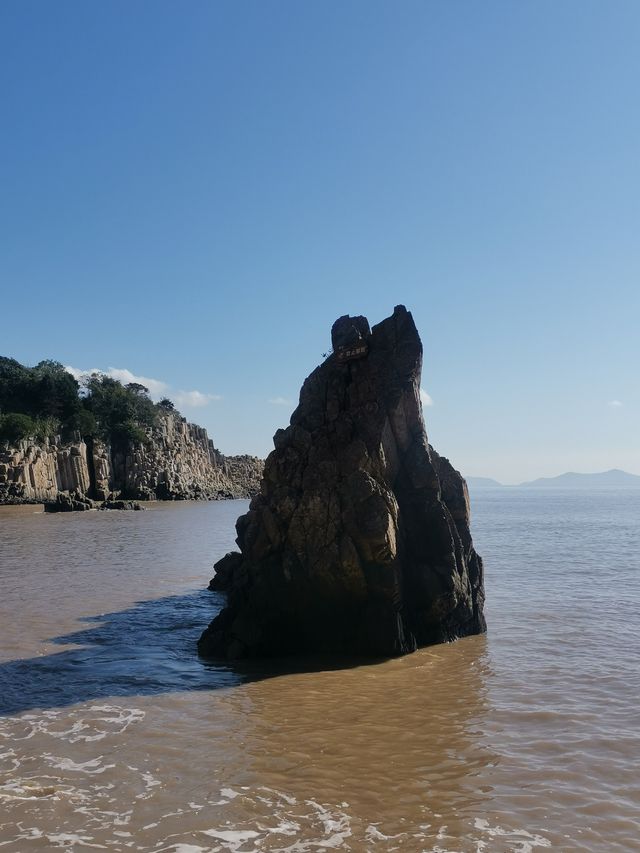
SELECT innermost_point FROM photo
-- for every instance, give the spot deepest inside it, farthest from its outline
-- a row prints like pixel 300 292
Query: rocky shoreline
pixel 178 461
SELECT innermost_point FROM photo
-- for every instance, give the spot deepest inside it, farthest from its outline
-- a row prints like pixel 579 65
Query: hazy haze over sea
pixel 114 736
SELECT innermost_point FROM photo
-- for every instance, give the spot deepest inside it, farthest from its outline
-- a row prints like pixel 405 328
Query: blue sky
pixel 194 192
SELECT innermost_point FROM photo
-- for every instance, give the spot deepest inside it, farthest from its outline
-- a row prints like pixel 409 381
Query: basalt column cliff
pixel 359 540
pixel 177 462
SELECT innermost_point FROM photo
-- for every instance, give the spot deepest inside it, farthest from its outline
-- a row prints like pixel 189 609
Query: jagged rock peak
pixel 359 540
pixel 348 331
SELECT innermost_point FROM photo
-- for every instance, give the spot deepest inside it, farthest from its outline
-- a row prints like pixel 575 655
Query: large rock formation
pixel 36 472
pixel 177 462
pixel 180 462
pixel 359 540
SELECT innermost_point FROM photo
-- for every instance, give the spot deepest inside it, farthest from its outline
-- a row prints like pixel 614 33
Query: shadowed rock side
pixel 359 540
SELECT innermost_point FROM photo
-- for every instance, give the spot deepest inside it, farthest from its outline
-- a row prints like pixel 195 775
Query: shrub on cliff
pixel 46 392
pixel 47 400
pixel 15 427
pixel 122 412
pixel 83 422
pixel 56 391
pixel 47 427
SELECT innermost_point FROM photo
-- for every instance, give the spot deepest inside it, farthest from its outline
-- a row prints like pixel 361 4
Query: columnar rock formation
pixel 33 472
pixel 178 462
pixel 181 462
pixel 359 539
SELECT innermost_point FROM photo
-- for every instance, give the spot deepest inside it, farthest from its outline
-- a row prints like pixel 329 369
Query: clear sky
pixel 193 192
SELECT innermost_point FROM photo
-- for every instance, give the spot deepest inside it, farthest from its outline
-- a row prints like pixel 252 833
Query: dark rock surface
pixel 77 502
pixel 359 541
pixel 69 502
pixel 122 505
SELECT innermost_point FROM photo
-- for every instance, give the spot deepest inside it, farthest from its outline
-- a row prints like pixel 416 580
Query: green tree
pixel 46 391
pixel 83 422
pixel 122 413
pixel 16 387
pixel 56 391
pixel 15 426
pixel 45 400
pixel 137 389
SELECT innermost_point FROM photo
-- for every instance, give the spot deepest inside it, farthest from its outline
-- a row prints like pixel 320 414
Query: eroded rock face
pixel 178 462
pixel 359 540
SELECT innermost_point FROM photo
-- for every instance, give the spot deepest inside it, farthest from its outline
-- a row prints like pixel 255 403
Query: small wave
pixel 71 840
pixel 92 766
pixel 233 835
pixel 29 790
pixel 520 841
pixel 87 724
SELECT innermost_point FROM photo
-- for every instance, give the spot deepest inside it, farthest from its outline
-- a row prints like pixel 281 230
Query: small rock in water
pixel 120 504
pixel 359 541
pixel 69 502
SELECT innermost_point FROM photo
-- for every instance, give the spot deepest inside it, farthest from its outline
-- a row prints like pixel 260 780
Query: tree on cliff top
pixel 47 400
pixel 14 427
pixel 122 412
pixel 46 393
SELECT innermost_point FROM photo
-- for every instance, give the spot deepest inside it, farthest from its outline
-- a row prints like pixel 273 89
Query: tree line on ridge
pixel 46 400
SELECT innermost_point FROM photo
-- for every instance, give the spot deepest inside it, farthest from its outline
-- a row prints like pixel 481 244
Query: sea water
pixel 115 736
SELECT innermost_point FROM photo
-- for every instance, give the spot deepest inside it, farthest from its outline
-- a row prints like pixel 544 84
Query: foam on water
pixel 87 724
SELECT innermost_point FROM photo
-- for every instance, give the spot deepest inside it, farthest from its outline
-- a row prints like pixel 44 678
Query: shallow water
pixel 114 736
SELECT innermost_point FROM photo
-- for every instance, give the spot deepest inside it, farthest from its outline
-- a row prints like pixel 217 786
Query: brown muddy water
pixel 115 736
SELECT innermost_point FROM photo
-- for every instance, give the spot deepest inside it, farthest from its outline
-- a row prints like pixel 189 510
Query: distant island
pixel 612 479
pixel 483 483
pixel 76 445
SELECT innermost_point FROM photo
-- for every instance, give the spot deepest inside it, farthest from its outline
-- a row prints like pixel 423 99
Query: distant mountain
pixel 482 483
pixel 613 479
